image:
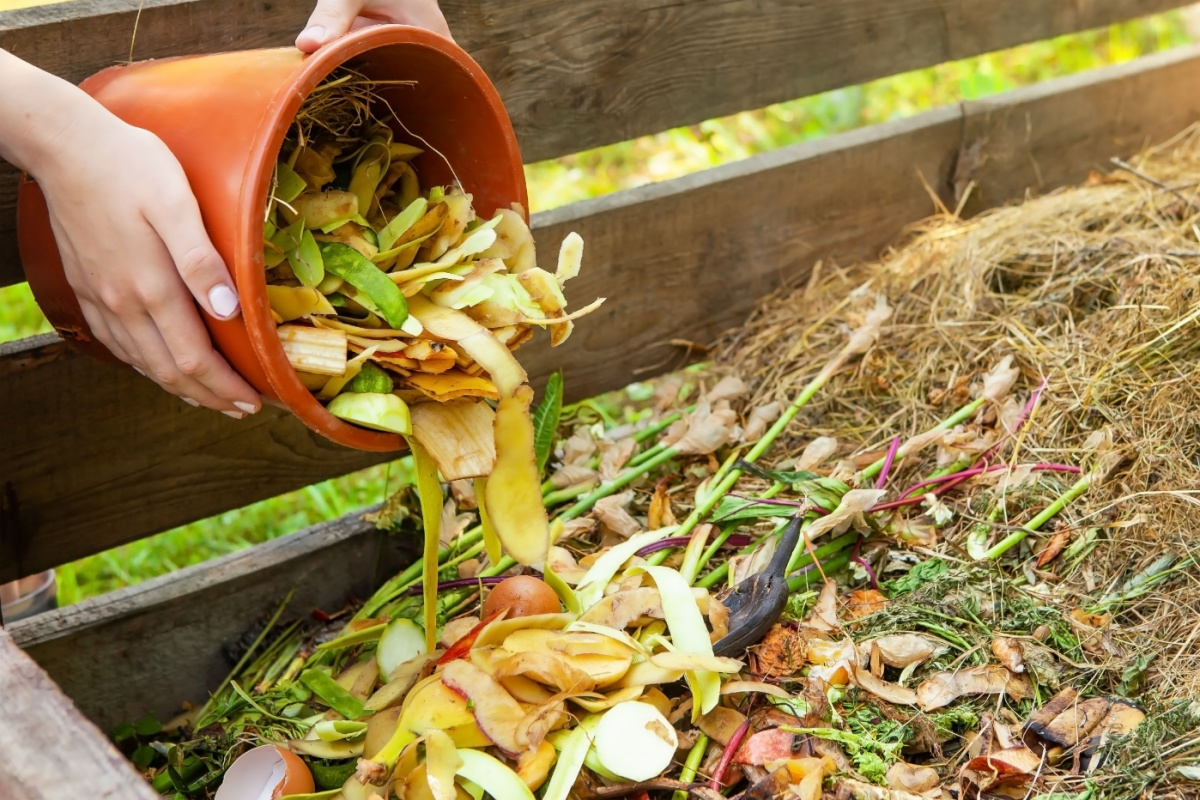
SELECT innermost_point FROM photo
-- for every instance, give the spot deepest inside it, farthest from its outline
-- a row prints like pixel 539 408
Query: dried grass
pixel 1094 290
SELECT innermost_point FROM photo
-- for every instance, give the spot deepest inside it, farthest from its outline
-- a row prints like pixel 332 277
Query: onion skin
pixel 524 596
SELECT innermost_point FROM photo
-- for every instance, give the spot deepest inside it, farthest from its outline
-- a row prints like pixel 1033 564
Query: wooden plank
pixel 153 645
pixel 50 750
pixel 589 72
pixel 683 259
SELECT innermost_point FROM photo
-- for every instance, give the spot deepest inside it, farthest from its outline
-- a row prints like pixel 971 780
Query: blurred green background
pixel 591 174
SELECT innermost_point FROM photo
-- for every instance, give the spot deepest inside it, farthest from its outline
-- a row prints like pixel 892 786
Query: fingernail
pixel 223 300
pixel 190 402
pixel 247 407
pixel 315 32
pixel 234 414
pixel 139 371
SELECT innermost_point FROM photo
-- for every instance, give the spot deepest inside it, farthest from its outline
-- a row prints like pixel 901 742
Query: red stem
pixel 735 742
pixel 954 479
pixel 887 463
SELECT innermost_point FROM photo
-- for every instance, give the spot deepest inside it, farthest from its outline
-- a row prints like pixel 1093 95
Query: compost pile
pixel 971 465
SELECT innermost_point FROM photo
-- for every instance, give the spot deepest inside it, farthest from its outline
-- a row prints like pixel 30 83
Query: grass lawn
pixel 590 174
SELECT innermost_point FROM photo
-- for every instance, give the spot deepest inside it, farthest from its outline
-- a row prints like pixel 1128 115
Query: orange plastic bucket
pixel 224 116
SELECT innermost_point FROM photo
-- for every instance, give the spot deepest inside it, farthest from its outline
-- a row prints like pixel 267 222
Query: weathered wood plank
pixel 49 749
pixel 153 645
pixel 681 259
pixel 589 72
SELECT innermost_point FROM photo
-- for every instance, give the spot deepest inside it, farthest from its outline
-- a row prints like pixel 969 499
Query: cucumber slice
pixel 381 412
pixel 402 641
pixel 358 271
pixel 372 380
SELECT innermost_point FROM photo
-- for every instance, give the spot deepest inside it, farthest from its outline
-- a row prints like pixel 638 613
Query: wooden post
pixel 48 751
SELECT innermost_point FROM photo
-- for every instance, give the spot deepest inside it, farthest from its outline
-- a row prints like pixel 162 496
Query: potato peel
pixel 514 497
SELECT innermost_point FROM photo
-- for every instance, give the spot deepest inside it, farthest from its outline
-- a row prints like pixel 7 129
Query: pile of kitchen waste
pixel 921 528
pixel 400 308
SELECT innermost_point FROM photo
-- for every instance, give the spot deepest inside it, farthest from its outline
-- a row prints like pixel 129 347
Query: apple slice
pixel 635 741
pixel 496 712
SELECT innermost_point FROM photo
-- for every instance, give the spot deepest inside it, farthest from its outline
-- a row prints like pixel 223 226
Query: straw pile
pixel 1095 293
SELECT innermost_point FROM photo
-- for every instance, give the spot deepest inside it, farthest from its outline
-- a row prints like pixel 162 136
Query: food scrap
pixel 972 557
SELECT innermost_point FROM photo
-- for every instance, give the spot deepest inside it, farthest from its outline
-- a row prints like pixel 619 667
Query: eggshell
pixel 525 595
pixel 266 773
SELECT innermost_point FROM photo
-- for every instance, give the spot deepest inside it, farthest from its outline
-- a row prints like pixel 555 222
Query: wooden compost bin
pixel 94 457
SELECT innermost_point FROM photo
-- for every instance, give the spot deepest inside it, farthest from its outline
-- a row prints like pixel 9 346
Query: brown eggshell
pixel 266 773
pixel 524 595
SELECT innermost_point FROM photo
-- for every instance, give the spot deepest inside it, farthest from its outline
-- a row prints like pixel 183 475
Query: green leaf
pixel 288 185
pixel 123 731
pixel 733 509
pixel 918 576
pixel 545 420
pixel 333 694
pixel 307 261
pixel 147 726
pixel 786 478
pixel 144 756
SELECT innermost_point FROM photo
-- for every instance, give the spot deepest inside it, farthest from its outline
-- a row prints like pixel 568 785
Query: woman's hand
pixel 334 18
pixel 129 230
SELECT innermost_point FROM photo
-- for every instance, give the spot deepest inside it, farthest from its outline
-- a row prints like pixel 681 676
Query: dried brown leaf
pixel 944 688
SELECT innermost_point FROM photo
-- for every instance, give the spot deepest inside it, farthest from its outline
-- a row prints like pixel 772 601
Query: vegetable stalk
pixel 1016 537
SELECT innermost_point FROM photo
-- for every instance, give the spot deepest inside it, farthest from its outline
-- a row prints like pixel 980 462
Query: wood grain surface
pixel 50 750
pixel 579 74
pixel 96 456
pixel 147 648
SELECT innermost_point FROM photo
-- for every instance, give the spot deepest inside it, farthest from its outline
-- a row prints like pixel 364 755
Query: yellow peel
pixel 514 496
pixel 491 542
pixel 430 492
pixel 441 764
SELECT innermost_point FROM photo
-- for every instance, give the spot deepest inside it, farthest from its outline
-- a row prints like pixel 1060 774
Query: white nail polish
pixel 234 414
pixel 247 407
pixel 190 402
pixel 224 302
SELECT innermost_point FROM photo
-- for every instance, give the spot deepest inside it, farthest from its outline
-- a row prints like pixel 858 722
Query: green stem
pixel 410 576
pixel 1015 538
pixel 958 416
pixel 554 498
pixel 645 433
pixel 714 546
pixel 688 773
pixel 620 482
pixel 832 565
pixel 205 710
pixel 804 559
pixel 722 488
pixel 646 455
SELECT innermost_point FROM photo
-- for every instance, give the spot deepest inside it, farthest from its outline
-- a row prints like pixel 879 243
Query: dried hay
pixel 1095 291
